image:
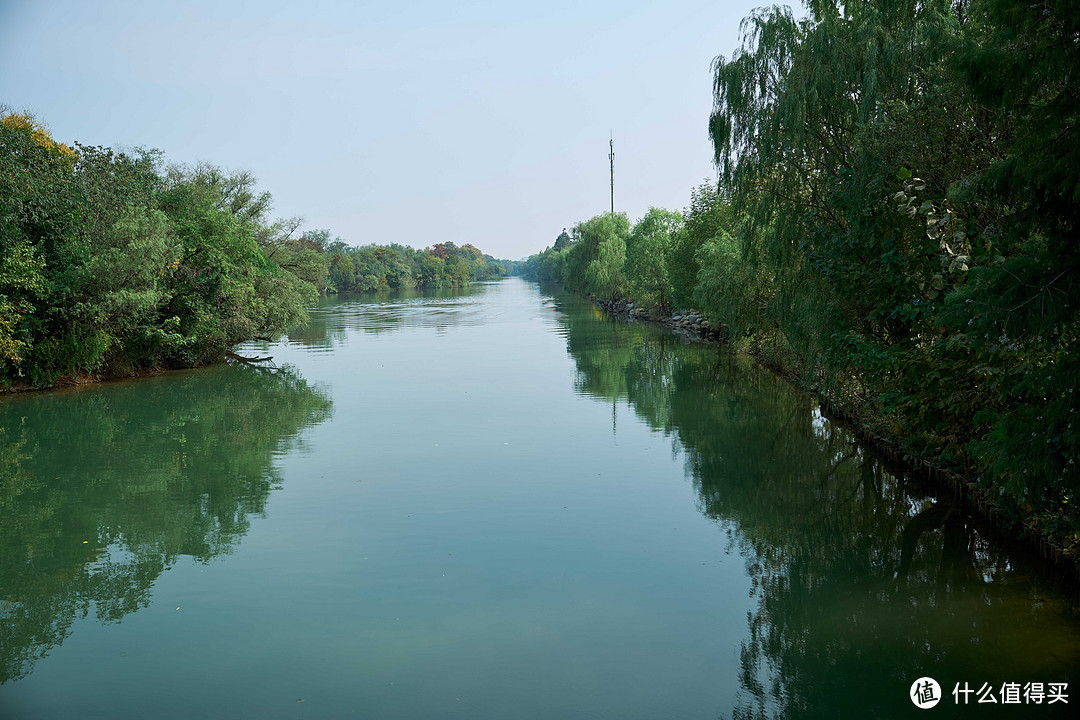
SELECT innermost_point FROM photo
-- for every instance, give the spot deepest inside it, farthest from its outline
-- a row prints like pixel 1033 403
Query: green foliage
pixel 894 225
pixel 562 242
pixel 706 219
pixel 648 257
pixel 385 267
pixel 730 289
pixel 594 261
pixel 109 263
pixel 547 266
pixel 21 280
pixel 906 176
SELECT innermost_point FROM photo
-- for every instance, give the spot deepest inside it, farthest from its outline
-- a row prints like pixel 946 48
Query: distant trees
pixel 562 242
pixel 110 262
pixel 592 260
pixel 391 267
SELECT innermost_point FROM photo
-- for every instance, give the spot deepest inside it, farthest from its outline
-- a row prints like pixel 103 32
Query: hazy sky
pixel 410 122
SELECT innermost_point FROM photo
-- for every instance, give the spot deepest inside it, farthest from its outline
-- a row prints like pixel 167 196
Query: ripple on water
pixel 335 317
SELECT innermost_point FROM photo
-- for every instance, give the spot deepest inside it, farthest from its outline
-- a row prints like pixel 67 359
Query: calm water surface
pixel 495 503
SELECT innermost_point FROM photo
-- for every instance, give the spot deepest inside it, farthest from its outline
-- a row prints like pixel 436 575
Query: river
pixel 493 503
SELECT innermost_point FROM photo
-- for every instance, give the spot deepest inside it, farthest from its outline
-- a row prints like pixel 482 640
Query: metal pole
pixel 611 157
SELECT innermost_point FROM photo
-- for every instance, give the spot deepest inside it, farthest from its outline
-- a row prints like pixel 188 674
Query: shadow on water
pixel 102 489
pixel 863 582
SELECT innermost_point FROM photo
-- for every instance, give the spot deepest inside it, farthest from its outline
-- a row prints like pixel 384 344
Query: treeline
pixel 391 267
pixel 654 261
pixel 895 224
pixel 111 261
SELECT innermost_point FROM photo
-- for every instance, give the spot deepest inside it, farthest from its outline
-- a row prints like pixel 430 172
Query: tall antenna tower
pixel 611 157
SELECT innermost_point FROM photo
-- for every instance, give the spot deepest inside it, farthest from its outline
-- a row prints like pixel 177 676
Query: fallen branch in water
pixel 249 360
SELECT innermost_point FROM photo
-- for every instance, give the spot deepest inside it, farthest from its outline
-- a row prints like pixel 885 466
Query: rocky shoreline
pixel 688 323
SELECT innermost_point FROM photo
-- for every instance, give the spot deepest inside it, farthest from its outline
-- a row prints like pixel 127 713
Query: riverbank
pixel 83 379
pixel 74 380
pixel 693 327
pixel 690 323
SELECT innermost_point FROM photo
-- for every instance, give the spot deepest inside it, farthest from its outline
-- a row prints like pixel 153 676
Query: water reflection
pixel 378 313
pixel 102 489
pixel 863 583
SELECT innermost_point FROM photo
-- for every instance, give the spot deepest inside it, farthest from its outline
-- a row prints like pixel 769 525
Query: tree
pixel 647 256
pixel 225 288
pixel 906 179
pixel 594 261
pixel 431 270
pixel 562 242
pixel 708 216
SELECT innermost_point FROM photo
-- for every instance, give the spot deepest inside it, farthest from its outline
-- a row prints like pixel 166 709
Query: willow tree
pixel 594 260
pixel 800 124
pixel 908 187
pixel 648 251
pixel 1019 313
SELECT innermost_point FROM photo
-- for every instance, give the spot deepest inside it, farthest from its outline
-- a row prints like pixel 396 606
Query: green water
pixel 490 504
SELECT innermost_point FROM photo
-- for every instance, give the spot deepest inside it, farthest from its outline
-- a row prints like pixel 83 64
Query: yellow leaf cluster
pixel 40 134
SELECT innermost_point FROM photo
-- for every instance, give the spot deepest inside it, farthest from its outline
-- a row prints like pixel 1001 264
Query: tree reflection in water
pixel 103 489
pixel 863 582
pixel 382 313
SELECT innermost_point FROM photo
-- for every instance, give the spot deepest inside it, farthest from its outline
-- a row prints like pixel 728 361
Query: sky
pixel 410 122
